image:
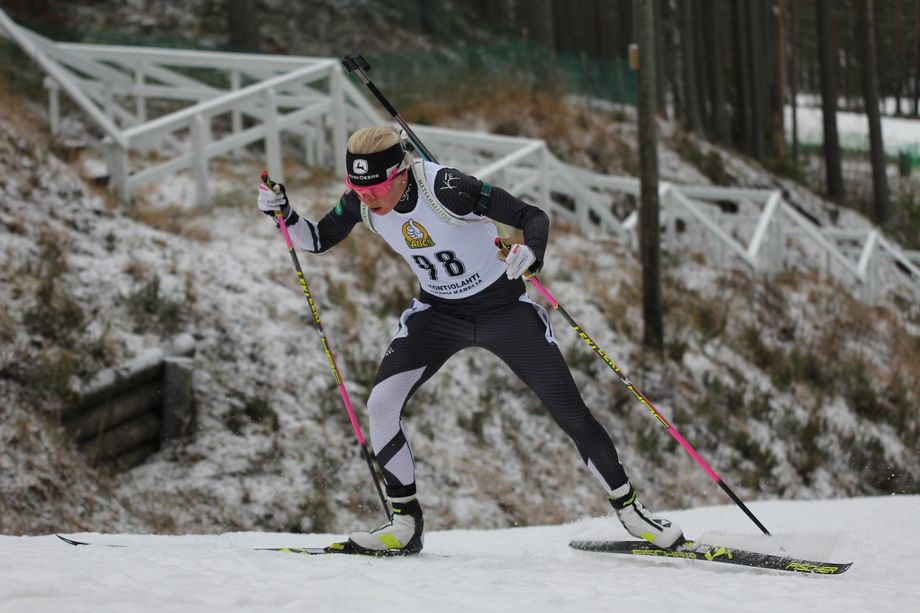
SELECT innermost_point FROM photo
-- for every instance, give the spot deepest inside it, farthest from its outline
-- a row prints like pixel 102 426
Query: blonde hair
pixel 372 140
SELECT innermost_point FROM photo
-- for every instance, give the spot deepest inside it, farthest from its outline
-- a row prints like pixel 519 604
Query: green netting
pixel 906 157
pixel 418 74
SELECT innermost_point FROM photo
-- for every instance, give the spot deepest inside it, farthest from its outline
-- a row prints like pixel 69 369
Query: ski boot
pixel 640 523
pixel 401 536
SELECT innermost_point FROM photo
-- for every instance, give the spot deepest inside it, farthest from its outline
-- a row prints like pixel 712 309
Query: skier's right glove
pixel 273 199
pixel 520 259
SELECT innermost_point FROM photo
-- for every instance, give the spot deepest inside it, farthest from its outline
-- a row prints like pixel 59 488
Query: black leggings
pixel 519 333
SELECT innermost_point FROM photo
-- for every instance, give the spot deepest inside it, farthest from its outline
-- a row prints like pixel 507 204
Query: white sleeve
pixel 305 235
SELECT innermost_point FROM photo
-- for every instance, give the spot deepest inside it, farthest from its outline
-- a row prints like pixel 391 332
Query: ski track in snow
pixel 519 569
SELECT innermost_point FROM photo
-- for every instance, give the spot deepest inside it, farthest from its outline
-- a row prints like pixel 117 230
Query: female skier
pixel 440 221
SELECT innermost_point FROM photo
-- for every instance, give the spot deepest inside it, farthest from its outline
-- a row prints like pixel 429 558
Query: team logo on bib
pixel 416 235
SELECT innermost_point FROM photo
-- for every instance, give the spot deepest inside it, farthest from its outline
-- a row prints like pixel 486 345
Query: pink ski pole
pixel 322 336
pixel 501 244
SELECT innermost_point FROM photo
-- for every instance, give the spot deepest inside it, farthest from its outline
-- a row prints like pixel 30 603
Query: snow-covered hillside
pixel 757 374
pixel 521 569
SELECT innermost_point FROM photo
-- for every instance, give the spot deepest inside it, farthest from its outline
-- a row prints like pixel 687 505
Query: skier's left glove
pixel 519 260
pixel 273 200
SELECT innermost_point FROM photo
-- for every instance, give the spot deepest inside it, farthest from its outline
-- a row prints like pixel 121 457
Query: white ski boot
pixel 401 536
pixel 640 523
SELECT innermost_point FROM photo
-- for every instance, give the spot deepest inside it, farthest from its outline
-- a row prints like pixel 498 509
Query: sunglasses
pixel 378 190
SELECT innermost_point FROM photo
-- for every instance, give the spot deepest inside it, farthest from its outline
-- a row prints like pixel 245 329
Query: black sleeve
pixel 461 194
pixel 339 222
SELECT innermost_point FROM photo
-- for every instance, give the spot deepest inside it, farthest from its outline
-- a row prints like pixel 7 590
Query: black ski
pixel 77 543
pixel 689 550
pixel 339 548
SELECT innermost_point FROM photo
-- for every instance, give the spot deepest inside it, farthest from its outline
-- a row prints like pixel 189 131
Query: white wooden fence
pixel 192 106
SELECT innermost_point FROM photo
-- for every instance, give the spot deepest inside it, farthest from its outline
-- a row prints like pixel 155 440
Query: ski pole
pixel 355 62
pixel 503 246
pixel 322 336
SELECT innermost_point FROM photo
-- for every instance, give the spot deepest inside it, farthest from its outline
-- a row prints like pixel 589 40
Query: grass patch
pixel 253 410
pixel 150 310
pixel 52 371
pixel 709 163
pixel 55 315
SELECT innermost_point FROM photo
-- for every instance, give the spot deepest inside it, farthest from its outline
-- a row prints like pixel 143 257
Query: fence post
pixel 543 169
pixel 868 266
pixel 670 215
pixel 178 414
pixel 337 91
pixel 236 119
pixel 272 137
pixel 108 101
pixel 200 137
pixel 774 246
pixel 117 161
pixel 140 101
pixel 54 105
pixel 582 206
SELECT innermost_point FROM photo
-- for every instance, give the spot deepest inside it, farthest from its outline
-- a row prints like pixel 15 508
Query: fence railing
pixel 193 106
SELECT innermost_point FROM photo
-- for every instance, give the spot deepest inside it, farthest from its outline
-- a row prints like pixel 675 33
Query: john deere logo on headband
pixel 416 235
pixel 359 167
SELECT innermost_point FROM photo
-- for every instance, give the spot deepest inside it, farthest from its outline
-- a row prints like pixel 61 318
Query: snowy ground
pixel 521 569
pixel 897 133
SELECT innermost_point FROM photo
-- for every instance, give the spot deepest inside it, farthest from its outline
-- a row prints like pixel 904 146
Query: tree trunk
pixel 844 34
pixel 242 26
pixel 897 81
pixel 917 61
pixel 688 68
pixel 573 23
pixel 758 68
pixel 743 102
pixel 712 13
pixel 827 59
pixel 626 21
pixel 537 17
pixel 649 233
pixel 794 78
pixel 703 68
pixel 870 95
pixel 661 73
pixel 670 51
pixel 779 98
pixel 606 18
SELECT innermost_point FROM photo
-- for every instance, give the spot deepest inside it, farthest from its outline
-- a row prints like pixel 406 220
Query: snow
pixel 246 312
pixel 519 569
pixel 897 133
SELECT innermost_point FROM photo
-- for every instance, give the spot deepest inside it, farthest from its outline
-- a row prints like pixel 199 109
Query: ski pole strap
pixel 485 197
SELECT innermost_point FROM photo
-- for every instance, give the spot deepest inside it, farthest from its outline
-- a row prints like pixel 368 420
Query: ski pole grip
pixel 267 181
pixel 271 184
pixel 528 276
pixel 355 61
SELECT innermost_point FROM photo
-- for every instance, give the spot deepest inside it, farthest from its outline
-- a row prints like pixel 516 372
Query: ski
pixel 337 548
pixel 689 550
pixel 340 548
pixel 78 543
